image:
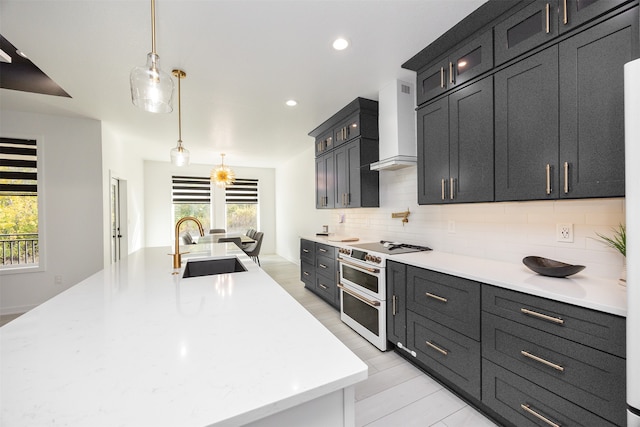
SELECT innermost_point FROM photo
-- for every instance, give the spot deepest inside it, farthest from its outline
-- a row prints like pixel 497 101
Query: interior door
pixel 118 219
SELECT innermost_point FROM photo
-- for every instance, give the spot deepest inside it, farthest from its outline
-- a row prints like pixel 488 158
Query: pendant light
pixel 222 175
pixel 152 88
pixel 179 154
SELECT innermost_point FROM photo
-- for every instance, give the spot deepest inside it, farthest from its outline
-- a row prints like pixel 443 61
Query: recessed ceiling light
pixel 340 44
pixel 291 103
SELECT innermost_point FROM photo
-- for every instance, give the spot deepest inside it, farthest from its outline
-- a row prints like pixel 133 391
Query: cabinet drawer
pixel 592 328
pixel 326 250
pixel 308 274
pixel 507 393
pixel 451 355
pixel 327 267
pixel 451 301
pixel 327 289
pixel 307 251
pixel 587 377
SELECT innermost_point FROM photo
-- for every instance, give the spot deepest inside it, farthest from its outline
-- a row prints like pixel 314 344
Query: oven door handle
pixel 358 296
pixel 353 264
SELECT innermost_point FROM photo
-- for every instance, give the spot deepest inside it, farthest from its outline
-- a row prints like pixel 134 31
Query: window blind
pixel 191 189
pixel 18 167
pixel 242 191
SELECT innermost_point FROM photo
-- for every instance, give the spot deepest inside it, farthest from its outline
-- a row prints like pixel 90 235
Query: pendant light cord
pixel 153 26
pixel 179 112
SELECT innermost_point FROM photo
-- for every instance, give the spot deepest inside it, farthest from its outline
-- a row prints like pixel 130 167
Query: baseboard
pixel 16 309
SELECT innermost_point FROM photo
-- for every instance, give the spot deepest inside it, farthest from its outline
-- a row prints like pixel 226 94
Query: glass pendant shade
pixel 152 88
pixel 179 155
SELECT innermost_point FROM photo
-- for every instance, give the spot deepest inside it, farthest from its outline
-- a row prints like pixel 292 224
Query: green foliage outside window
pixel 18 214
pixel 198 210
pixel 241 217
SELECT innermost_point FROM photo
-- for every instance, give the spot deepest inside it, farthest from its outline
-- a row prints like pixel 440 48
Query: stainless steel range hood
pixel 396 125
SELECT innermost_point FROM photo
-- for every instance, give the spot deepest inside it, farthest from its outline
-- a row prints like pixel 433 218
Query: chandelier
pixel 222 175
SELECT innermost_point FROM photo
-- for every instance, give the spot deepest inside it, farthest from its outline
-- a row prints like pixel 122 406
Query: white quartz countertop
pixel 134 345
pixel 581 289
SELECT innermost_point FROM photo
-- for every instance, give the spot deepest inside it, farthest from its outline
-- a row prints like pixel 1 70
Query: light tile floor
pixel 396 392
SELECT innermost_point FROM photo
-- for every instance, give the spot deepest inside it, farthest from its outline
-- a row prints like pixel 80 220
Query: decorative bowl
pixel 551 268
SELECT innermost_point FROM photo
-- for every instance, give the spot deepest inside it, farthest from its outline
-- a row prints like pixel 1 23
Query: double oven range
pixel 363 288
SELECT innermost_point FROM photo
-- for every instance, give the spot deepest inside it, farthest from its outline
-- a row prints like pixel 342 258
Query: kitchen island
pixel 135 345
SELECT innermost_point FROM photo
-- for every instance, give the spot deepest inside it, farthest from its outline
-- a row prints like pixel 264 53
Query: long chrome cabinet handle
pixel 436 348
pixel 442 77
pixel 565 18
pixel 359 297
pixel 322 250
pixel 353 264
pixel 394 305
pixel 322 266
pixel 542 418
pixel 305 273
pixel 543 361
pixel 436 297
pixel 305 251
pixel 442 188
pixel 528 409
pixel 556 320
pixel 451 188
pixel 548 169
pixel 323 286
pixel 566 177
pixel 548 11
pixel 451 77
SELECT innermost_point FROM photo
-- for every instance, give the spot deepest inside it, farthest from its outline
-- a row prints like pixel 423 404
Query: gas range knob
pixel 377 260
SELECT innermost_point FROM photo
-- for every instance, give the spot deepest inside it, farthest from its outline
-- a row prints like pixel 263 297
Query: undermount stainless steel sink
pixel 209 267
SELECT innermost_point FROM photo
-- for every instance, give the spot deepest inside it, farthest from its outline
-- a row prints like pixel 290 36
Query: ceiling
pixel 243 59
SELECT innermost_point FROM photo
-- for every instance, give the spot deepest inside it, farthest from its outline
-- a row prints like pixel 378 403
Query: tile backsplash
pixel 505 231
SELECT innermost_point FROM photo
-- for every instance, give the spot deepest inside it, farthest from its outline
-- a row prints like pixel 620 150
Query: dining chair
pixel 217 230
pixel 253 250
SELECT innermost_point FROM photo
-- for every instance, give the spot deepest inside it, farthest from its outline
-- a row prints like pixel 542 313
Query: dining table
pixel 214 237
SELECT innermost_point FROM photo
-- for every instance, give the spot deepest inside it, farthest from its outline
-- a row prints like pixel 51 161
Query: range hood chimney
pixel 396 125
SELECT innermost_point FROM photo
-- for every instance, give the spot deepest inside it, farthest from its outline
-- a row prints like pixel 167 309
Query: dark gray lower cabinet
pixel 524 360
pixel 526 404
pixel 319 270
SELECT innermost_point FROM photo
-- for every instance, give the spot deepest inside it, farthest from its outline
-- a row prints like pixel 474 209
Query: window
pixel 191 196
pixel 242 205
pixel 19 203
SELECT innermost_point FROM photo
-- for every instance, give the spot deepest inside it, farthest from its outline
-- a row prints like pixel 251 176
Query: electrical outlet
pixel 564 232
pixel 452 226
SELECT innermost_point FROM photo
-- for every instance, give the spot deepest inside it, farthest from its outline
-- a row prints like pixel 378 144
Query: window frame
pixel 41 191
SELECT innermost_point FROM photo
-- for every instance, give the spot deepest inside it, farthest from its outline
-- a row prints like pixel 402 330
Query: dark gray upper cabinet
pixel 458 67
pixel 455 146
pixel 576 12
pixel 526 126
pixel 325 184
pixel 525 29
pixel 592 107
pixel 346 145
pixel 560 116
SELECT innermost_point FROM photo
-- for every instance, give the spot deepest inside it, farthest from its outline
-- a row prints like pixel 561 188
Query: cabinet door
pixel 433 81
pixel 577 12
pixel 471 143
pixel 397 309
pixel 433 152
pixel 592 107
pixel 324 143
pixel 325 186
pixel 347 173
pixel 526 127
pixel 348 129
pixel 471 60
pixel 525 30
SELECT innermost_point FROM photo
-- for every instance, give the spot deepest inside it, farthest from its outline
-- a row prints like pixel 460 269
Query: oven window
pixel 361 312
pixel 366 280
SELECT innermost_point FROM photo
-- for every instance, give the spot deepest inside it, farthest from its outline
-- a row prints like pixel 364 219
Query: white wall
pixel 123 160
pixel 159 229
pixel 506 231
pixel 72 245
